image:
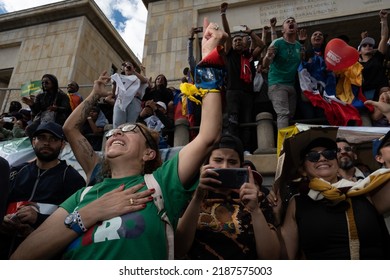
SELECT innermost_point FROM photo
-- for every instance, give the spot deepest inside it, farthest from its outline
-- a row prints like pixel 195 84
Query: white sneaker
pixel 247 153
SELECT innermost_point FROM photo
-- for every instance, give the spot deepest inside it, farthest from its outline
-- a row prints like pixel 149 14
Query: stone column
pixel 265 134
pixel 182 134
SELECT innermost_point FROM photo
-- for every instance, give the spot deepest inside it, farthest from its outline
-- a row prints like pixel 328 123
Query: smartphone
pixel 231 178
pixel 239 28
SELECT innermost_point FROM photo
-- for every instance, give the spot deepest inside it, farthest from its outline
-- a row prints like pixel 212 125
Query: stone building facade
pixel 71 39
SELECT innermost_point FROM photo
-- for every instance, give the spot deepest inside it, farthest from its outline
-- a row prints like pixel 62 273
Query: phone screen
pixel 232 178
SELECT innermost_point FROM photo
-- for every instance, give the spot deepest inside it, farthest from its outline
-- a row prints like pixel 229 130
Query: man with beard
pixel 346 158
pixel 37 187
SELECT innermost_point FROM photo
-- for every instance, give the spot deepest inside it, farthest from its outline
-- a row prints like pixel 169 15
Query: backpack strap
pixel 158 200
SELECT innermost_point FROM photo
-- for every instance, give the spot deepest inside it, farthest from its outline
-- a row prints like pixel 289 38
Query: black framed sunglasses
pixel 131 128
pixel 367 45
pixel 314 156
pixel 345 149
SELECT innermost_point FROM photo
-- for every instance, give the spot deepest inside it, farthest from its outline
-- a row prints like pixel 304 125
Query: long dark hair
pixel 165 83
pixel 54 81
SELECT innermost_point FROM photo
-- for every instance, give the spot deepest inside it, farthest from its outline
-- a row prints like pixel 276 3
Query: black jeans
pixel 239 105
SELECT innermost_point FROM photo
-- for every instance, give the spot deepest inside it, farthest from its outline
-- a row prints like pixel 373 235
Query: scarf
pixel 343 189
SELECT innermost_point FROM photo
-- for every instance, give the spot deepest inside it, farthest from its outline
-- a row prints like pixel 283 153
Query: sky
pixel 127 16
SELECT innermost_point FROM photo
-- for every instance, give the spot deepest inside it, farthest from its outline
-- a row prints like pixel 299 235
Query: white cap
pixel 162 104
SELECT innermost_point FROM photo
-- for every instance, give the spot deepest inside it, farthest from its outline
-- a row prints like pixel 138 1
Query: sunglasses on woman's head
pixel 131 128
pixel 314 156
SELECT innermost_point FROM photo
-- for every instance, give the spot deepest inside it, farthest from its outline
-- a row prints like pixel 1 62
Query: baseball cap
pixel 162 104
pixel 378 144
pixel 231 142
pixel 367 40
pixel 52 128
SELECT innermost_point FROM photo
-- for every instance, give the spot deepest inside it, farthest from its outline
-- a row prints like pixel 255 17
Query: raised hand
pixel 273 22
pixel 302 34
pixel 250 193
pixel 212 37
pixel 99 85
pixel 224 7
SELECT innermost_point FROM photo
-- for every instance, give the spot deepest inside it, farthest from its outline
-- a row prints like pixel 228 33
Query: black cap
pixel 231 142
pixel 319 142
pixel 52 128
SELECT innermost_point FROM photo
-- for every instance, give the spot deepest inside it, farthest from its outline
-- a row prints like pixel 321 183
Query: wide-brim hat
pixel 296 146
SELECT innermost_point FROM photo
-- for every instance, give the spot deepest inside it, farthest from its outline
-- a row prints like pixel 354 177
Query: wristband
pixel 223 13
pixel 209 77
pixel 80 221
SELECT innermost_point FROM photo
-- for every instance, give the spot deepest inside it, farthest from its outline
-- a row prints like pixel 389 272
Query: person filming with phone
pixel 226 223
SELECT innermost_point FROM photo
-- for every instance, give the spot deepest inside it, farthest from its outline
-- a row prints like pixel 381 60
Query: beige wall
pixel 169 22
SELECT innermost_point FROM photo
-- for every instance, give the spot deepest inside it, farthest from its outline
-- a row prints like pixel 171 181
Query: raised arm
pixel 272 22
pixel 228 42
pixel 81 148
pixel 257 44
pixel 190 50
pixel 193 154
pixel 382 47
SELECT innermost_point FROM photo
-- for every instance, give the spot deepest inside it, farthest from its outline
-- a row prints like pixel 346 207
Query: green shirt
pixel 283 68
pixel 137 235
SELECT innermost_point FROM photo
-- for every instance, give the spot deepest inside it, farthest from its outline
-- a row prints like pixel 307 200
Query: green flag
pixel 29 88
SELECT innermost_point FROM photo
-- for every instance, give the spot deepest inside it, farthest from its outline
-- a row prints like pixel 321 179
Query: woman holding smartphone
pixel 225 223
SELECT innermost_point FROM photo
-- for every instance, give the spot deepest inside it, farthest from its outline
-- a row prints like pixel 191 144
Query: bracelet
pixel 273 32
pixel 223 13
pixel 80 221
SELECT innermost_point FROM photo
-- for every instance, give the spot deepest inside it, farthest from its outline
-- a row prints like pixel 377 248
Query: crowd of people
pixel 132 205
